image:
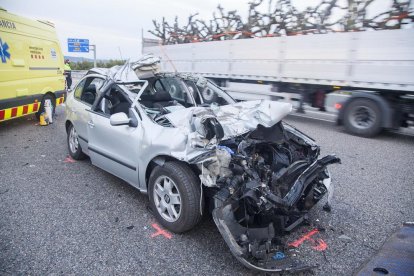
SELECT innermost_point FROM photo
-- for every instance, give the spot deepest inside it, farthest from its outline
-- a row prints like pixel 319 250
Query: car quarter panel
pixel 77 114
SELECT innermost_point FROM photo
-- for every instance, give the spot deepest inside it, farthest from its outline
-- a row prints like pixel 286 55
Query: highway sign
pixel 78 45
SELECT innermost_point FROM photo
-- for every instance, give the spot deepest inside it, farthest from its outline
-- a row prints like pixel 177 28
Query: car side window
pixel 79 89
pixel 87 90
pixel 114 101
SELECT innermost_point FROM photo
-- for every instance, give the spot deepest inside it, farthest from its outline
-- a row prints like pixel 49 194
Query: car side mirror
pixel 119 119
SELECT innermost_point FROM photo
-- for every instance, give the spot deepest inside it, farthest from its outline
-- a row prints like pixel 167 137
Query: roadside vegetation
pixel 86 65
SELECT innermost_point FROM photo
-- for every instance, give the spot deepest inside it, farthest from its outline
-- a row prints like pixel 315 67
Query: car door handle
pixel 91 124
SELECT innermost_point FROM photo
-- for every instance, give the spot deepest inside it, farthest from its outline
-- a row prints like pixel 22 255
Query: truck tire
pixel 362 117
pixel 42 105
pixel 174 194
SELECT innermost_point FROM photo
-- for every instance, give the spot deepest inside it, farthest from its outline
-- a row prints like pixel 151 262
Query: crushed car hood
pixel 235 119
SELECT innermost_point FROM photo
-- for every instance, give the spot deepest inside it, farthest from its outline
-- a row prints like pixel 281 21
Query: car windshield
pixel 173 91
pixel 208 94
pixel 167 93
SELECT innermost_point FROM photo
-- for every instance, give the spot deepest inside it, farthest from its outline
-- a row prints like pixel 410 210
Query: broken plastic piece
pixel 279 256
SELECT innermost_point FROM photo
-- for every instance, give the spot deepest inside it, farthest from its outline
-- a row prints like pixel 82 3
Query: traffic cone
pixel 42 120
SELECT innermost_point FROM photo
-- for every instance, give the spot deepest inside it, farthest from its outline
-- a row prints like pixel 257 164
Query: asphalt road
pixel 63 217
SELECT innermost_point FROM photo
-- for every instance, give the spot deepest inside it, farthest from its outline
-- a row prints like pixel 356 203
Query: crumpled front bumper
pixel 228 227
pixel 241 239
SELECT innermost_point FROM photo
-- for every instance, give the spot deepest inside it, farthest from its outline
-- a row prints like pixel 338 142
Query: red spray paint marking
pixel 160 231
pixel 69 160
pixel 318 245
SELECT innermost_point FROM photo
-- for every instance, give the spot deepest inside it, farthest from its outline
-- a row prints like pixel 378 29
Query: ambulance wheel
pixel 42 105
pixel 74 147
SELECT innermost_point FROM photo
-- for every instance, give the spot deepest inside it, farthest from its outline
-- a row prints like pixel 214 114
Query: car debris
pixel 258 175
pixel 345 237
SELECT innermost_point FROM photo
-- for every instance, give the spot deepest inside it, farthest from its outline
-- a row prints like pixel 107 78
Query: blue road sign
pixel 78 45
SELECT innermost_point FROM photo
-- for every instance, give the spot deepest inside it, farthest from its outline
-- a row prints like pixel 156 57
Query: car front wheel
pixel 174 194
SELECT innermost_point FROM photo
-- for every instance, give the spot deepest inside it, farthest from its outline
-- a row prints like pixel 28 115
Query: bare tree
pixel 282 18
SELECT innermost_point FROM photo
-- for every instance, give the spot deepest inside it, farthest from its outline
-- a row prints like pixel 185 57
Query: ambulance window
pixel 78 89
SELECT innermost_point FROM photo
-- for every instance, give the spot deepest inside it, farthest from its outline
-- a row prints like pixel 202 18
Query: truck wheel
pixel 42 105
pixel 363 118
pixel 174 195
pixel 74 147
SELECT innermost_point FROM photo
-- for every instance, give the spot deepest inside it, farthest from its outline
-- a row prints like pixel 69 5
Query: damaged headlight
pixel 208 127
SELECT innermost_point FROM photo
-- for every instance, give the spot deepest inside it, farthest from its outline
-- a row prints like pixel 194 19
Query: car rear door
pixel 78 115
pixel 113 148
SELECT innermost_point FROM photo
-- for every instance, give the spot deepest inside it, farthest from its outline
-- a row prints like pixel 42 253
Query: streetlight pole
pixel 94 53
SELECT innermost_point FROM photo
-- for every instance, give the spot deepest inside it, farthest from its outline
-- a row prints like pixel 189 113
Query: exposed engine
pixel 264 183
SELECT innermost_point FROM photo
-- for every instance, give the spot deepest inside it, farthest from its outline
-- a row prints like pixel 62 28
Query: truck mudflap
pixel 259 245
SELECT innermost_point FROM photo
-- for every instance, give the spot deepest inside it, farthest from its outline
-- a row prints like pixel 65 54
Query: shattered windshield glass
pixel 168 93
pixel 208 94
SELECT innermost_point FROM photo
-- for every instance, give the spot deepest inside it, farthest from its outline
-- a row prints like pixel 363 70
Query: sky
pixel 116 26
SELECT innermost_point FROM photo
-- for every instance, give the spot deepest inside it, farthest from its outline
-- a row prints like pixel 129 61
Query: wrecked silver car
pixel 191 147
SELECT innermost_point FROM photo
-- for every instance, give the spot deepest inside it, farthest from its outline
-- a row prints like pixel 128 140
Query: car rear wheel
pixel 174 195
pixel 74 147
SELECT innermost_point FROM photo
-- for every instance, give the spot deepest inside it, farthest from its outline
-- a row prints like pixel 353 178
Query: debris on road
pixel 279 256
pixel 345 237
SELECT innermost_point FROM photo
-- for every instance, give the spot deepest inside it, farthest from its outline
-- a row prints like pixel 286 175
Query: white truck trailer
pixel 376 68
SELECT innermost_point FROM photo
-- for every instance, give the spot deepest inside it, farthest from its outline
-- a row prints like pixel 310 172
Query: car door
pixel 113 148
pixel 83 99
pixel 79 115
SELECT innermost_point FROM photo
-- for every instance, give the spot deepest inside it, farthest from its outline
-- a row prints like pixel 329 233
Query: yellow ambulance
pixel 31 66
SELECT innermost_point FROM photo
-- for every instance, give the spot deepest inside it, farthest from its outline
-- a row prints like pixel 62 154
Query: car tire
pixel 75 150
pixel 362 117
pixel 42 105
pixel 174 195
